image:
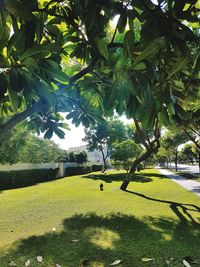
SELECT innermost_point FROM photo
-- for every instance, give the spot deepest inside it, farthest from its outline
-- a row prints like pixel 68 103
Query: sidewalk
pixel 191 185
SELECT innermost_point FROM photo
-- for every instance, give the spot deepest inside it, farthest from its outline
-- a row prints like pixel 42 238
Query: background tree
pixel 171 141
pixel 150 140
pixel 125 152
pixel 81 157
pixel 21 146
pixel 188 154
pixel 102 136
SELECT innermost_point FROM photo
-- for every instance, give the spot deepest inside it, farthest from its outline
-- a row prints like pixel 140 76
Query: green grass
pixel 156 218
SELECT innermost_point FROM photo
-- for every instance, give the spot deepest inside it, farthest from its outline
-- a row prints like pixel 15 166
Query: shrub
pixel 96 168
pixel 75 170
pixel 21 178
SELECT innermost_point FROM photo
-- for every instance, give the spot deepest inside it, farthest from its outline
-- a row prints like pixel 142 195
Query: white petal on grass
pixel 57 265
pixel 54 229
pixel 27 263
pixel 39 258
pixel 186 263
pixel 75 240
pixel 12 264
pixel 114 263
pixel 147 259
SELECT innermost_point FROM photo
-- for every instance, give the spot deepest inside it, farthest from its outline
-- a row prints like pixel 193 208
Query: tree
pixel 21 146
pixel 172 139
pixel 188 154
pixel 125 152
pixel 103 135
pixel 81 157
pixel 150 140
pixel 164 155
pixel 48 47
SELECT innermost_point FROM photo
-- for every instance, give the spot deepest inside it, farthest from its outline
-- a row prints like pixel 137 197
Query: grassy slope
pixel 111 224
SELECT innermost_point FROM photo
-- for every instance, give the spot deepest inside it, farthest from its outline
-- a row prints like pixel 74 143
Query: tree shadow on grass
pixel 104 239
pixel 181 210
pixel 109 178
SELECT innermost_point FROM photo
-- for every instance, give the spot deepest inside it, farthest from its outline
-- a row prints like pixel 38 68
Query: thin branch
pixel 6 127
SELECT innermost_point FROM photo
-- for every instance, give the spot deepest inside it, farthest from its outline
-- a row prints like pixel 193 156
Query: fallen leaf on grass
pixel 116 262
pixel 186 263
pixel 57 265
pixel 39 258
pixel 27 263
pixel 12 263
pixel 147 259
pixel 75 240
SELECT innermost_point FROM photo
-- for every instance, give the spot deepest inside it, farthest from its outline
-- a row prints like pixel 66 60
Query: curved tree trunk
pixel 104 159
pixel 133 168
pixel 151 146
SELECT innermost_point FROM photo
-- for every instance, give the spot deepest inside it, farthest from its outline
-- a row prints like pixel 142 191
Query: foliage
pixel 125 152
pixel 81 157
pixel 21 146
pixel 22 178
pixel 102 136
pixel 188 154
pixel 64 56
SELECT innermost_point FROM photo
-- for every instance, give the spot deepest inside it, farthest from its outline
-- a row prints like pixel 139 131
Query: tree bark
pixel 176 160
pixel 134 167
pixel 151 147
pixel 104 160
pixel 199 161
pixel 20 117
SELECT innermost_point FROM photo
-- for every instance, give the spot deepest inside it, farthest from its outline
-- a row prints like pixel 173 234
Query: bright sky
pixel 73 138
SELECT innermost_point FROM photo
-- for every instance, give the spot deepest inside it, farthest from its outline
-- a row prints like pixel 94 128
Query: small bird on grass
pixel 101 187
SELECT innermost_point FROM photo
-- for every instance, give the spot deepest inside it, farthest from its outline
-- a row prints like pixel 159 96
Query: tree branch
pixel 6 127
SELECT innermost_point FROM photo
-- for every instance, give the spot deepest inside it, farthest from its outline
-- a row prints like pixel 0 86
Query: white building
pixel 94 156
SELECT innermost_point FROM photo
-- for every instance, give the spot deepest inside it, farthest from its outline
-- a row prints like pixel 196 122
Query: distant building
pixel 93 156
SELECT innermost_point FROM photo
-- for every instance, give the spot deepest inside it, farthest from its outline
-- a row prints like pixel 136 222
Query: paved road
pixel 187 168
pixel 191 185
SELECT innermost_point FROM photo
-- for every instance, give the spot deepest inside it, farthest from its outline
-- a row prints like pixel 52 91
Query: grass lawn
pixel 156 218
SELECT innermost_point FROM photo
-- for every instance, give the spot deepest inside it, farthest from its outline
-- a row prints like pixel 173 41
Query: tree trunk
pixel 104 160
pixel 176 160
pixel 199 161
pixel 134 165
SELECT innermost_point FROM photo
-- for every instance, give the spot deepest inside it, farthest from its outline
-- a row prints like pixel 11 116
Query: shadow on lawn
pixel 181 210
pixel 103 240
pixel 137 177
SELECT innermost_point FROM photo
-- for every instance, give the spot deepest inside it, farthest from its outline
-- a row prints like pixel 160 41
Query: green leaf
pixel 35 52
pixel 178 66
pixel 5 23
pixel 48 134
pixel 15 80
pixel 13 99
pixel 59 133
pixel 53 69
pixel 151 50
pixel 16 43
pixel 30 63
pixel 129 43
pixel 103 49
pixel 139 66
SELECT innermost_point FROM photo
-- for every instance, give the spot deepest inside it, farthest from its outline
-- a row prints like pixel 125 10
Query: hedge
pixel 22 178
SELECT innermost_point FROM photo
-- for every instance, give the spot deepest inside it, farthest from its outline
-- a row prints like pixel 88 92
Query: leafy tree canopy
pixel 66 56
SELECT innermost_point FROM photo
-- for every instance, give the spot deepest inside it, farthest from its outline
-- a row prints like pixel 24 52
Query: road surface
pixel 187 168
